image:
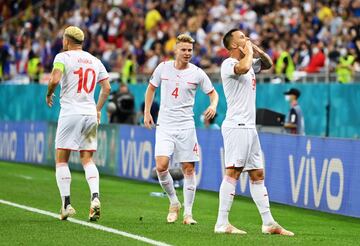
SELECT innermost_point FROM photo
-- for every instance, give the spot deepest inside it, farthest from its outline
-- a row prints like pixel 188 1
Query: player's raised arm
pixel 149 97
pixel 211 110
pixel 104 93
pixel 245 63
pixel 54 81
pixel 266 62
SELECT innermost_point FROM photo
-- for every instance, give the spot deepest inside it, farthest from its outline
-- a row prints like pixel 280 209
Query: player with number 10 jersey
pixel 77 72
pixel 82 71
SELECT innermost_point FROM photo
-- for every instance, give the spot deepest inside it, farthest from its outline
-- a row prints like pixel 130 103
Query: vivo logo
pixel 307 172
pixel 136 159
pixel 8 144
pixel 34 146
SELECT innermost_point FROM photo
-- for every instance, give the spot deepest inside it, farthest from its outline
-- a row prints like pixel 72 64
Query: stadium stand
pixel 321 38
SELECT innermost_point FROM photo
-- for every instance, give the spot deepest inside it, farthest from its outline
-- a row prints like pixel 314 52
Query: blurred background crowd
pixel 132 37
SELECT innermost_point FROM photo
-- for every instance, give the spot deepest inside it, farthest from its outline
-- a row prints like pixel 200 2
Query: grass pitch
pixel 127 206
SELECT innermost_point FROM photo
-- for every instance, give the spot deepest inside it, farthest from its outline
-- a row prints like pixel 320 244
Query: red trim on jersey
pixel 102 80
pixel 67 149
pixel 87 150
pixel 153 84
pixel 82 150
pixel 211 91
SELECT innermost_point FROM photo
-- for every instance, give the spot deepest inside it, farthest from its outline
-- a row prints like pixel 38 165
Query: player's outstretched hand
pixel 49 100
pixel 210 113
pixel 98 117
pixel 148 120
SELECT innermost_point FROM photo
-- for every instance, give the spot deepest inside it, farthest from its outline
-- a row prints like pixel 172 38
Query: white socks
pixel 63 179
pixel 167 183
pixel 260 196
pixel 92 177
pixel 226 198
pixel 189 189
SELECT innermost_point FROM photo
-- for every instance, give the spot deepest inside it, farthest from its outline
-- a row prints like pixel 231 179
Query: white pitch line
pixel 24 177
pixel 84 223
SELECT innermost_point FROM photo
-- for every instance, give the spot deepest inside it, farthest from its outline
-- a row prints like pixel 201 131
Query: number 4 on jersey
pixel 175 93
pixel 196 148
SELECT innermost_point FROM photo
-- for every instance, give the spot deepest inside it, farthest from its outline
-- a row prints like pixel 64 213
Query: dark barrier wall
pixel 310 172
pixel 342 119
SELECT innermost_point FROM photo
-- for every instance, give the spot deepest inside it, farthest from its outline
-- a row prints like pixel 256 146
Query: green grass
pixel 125 201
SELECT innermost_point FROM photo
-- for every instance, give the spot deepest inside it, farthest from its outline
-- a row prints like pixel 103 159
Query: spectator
pixel 317 60
pixel 128 74
pixel 34 67
pixel 284 64
pixel 118 28
pixel 294 123
pixel 122 106
pixel 4 60
pixel 345 67
pixel 302 57
pixel 152 16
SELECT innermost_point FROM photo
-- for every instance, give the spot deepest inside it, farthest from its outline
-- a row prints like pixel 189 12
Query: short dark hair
pixel 228 37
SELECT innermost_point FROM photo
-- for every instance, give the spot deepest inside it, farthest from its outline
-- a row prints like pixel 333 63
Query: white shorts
pixel 242 148
pixel 77 132
pixel 182 143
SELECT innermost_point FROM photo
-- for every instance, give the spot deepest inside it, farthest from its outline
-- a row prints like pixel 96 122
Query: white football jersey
pixel 178 88
pixel 82 71
pixel 240 94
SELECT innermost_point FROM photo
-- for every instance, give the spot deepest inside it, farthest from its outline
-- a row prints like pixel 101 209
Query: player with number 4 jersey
pixel 78 73
pixel 175 131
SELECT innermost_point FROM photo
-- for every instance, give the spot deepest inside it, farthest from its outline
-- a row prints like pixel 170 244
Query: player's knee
pixel 86 157
pixel 256 175
pixel 162 163
pixel 161 167
pixel 85 160
pixel 233 173
pixel 188 171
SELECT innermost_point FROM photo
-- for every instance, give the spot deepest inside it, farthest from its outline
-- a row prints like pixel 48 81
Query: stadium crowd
pixel 132 37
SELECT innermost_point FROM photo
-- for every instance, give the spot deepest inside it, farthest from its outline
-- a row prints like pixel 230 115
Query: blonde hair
pixel 75 34
pixel 184 38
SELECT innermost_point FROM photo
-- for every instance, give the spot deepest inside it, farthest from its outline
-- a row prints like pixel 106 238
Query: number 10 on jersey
pixel 83 80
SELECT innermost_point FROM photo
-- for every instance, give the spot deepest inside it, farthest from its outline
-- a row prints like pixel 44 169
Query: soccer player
pixel 77 72
pixel 241 142
pixel 175 131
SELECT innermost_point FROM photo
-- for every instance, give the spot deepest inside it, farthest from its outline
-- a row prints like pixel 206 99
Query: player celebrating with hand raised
pixel 175 131
pixel 241 141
